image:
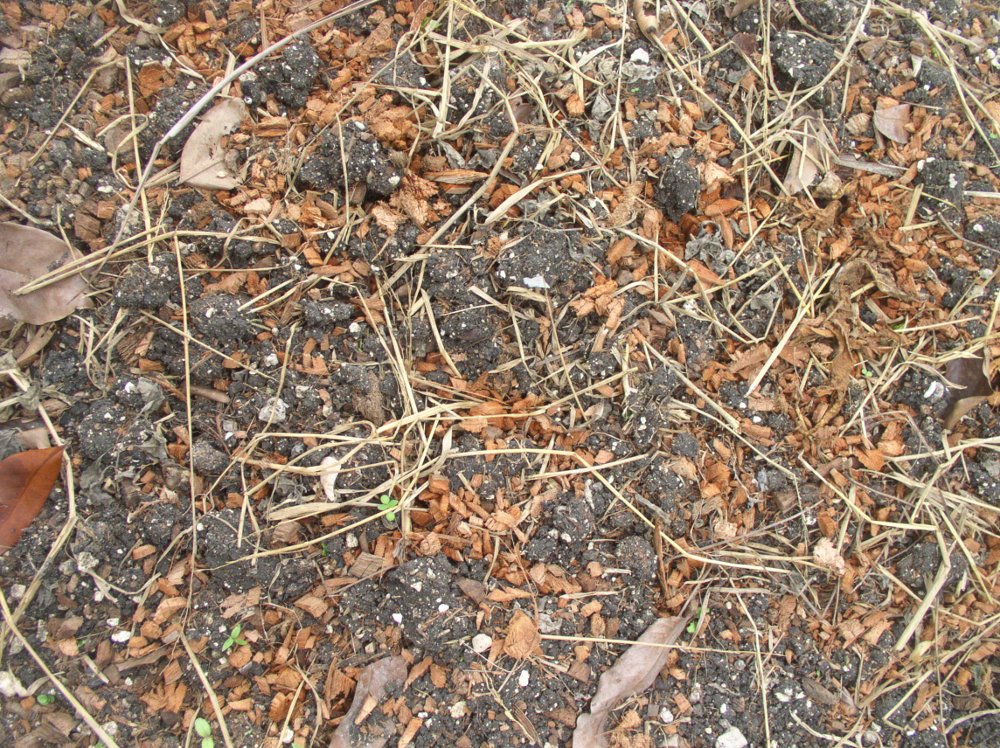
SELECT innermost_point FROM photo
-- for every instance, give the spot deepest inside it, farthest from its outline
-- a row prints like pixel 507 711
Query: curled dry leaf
pixel 372 685
pixel 204 161
pixel 634 672
pixel 968 385
pixel 26 479
pixel 329 470
pixel 891 121
pixel 27 253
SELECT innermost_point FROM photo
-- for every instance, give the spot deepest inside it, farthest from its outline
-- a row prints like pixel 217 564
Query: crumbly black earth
pixel 119 421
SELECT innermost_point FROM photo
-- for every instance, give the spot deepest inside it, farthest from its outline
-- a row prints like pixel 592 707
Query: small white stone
pixel 666 716
pixel 10 686
pixel 397 617
pixel 523 678
pixel 934 389
pixel 731 738
pixel 275 410
pixel 458 710
pixel 120 637
pixel 481 643
pixel 86 561
pixel 443 608
pixel 535 281
pixel 640 57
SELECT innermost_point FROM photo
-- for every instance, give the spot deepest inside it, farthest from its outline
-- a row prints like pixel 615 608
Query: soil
pixel 516 311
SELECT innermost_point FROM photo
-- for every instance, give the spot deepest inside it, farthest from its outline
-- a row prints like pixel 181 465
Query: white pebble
pixel 731 738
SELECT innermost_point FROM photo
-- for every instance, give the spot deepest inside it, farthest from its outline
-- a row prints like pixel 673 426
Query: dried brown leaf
pixel 891 121
pixel 634 672
pixel 968 386
pixel 826 555
pixel 372 684
pixel 522 636
pixel 204 160
pixel 26 479
pixel 811 154
pixel 388 219
pixel 27 253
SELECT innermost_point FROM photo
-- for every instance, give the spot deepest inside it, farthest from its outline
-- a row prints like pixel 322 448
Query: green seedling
pixel 204 730
pixel 234 638
pixel 387 505
pixel 45 699
pixel 692 627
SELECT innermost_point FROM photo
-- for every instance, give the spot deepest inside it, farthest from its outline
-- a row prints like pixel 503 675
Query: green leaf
pixel 386 503
pixel 207 743
pixel 203 728
pixel 234 638
pixel 45 699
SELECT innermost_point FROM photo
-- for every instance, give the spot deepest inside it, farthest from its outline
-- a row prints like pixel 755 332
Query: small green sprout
pixel 387 504
pixel 204 730
pixel 323 550
pixel 45 699
pixel 692 627
pixel 866 372
pixel 234 638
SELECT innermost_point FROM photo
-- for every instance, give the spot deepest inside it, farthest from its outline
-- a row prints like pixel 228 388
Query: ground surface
pixel 517 311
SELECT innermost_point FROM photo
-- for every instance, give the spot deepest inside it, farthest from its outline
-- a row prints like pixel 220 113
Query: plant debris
pixel 26 480
pixel 28 254
pixel 633 673
pixel 205 161
pixel 357 728
pixel 481 337
pixel 968 379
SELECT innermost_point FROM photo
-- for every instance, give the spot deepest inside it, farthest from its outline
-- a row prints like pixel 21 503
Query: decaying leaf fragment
pixel 812 152
pixel 968 386
pixel 204 161
pixel 826 555
pixel 372 685
pixel 329 470
pixel 891 121
pixel 26 479
pixel 634 672
pixel 522 636
pixel 27 253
